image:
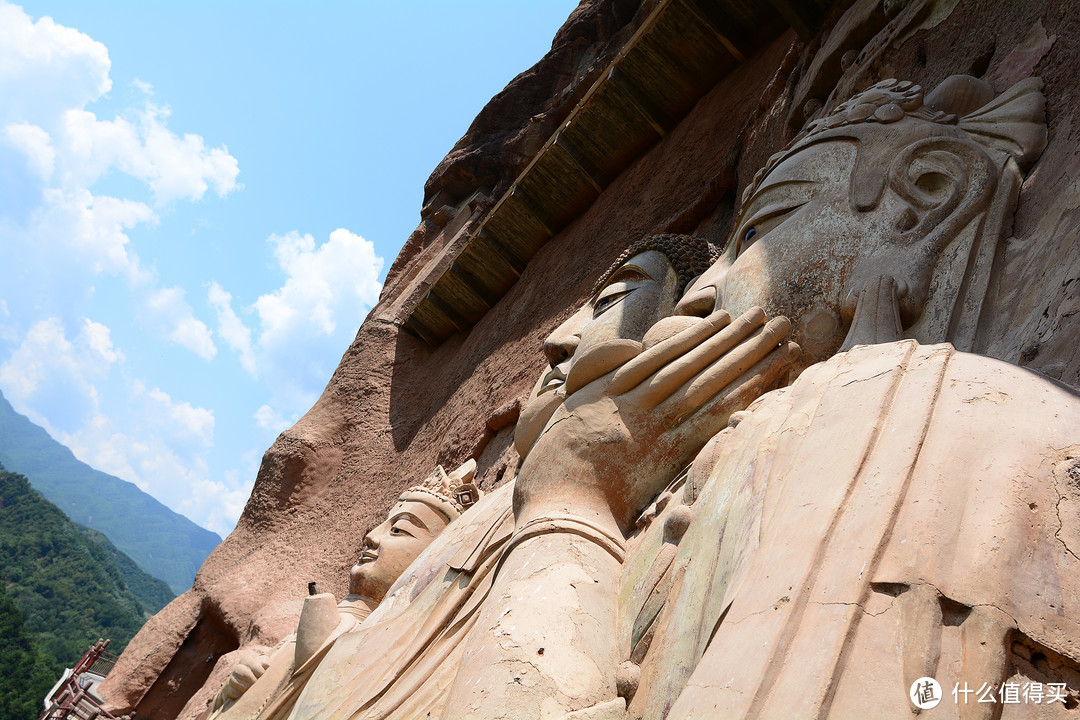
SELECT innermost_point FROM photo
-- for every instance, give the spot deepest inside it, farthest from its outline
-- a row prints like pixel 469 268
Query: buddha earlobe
pixel 874 309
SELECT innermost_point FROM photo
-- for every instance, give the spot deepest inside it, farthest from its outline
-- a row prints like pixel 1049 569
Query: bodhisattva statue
pixel 267 685
pixel 900 510
pixel 407 660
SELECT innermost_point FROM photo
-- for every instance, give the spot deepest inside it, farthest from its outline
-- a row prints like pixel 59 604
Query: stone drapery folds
pixel 896 507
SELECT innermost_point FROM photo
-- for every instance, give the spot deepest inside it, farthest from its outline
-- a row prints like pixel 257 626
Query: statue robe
pixel 900 511
pixel 272 696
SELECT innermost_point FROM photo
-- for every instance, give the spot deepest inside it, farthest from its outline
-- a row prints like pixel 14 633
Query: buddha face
pixel 639 294
pixel 796 244
pixel 391 547
pixel 635 297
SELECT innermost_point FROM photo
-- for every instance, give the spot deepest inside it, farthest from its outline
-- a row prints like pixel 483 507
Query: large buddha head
pixel 640 288
pixel 420 514
pixel 909 194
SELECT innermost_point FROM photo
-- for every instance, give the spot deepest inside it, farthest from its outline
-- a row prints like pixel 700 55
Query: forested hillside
pixel 65 585
pixel 26 673
pixel 151 592
pixel 162 542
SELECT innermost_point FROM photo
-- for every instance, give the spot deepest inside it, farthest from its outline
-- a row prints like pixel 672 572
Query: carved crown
pixel 1012 124
pixel 456 489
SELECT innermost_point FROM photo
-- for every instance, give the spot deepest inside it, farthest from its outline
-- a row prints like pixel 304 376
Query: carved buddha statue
pixel 266 686
pixel 894 512
pixel 407 660
pixel 892 515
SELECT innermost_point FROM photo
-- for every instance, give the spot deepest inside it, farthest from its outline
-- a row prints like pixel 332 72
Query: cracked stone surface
pixel 976 543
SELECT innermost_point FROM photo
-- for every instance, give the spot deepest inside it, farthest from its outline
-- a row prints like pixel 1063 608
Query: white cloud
pixel 166 308
pixel 232 328
pixel 143 147
pixel 52 379
pixel 307 322
pixel 270 419
pixel 195 336
pixel 46 68
pixel 180 420
pixel 99 339
pixel 33 142
pixel 84 235
pixel 53 150
pixel 60 234
pixel 219 503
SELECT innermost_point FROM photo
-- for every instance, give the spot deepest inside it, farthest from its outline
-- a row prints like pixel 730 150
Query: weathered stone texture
pixel 395 406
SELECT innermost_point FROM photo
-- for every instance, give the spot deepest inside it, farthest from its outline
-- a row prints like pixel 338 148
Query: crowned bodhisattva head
pixel 894 201
pixel 419 515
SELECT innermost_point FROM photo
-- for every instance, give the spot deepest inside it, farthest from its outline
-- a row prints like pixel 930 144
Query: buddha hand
pixel 618 440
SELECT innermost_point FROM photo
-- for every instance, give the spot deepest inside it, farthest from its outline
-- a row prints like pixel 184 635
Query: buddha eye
pixel 604 302
pixel 766 220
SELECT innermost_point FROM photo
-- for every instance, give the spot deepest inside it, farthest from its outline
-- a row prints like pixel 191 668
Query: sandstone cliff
pixel 397 405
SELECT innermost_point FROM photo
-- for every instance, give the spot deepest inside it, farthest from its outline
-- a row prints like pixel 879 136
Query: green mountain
pixel 66 586
pixel 162 542
pixel 26 673
pixel 151 592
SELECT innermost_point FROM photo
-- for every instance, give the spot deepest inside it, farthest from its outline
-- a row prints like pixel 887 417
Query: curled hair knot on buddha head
pixel 689 255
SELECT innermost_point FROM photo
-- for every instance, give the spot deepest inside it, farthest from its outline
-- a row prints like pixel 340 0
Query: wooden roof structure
pixel 681 51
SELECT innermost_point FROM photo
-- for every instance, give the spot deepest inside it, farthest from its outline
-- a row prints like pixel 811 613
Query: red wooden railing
pixel 73 699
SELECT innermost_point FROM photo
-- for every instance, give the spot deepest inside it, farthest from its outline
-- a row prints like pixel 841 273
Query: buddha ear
pixel 943 183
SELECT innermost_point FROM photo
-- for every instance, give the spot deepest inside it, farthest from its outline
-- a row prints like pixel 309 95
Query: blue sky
pixel 199 202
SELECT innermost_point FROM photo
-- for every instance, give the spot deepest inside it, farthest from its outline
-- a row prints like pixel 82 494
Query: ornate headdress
pixel 959 132
pixel 1013 124
pixel 451 494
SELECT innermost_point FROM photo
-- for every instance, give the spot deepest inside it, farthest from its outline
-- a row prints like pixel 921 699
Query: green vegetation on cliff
pixel 162 542
pixel 26 673
pixel 152 593
pixel 64 583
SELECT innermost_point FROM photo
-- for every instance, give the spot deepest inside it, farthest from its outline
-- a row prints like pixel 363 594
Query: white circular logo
pixel 925 693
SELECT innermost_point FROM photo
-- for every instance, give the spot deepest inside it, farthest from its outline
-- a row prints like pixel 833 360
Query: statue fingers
pixel 694 378
pixel 736 379
pixel 658 355
pixel 244 676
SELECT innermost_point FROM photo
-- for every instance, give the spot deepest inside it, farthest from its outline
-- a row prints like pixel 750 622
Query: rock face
pixel 396 405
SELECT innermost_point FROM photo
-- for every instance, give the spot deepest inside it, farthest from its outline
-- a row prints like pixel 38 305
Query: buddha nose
pixel 704 294
pixel 559 347
pixel 697 303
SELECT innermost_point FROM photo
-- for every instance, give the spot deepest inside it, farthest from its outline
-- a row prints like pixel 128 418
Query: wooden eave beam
pixel 681 50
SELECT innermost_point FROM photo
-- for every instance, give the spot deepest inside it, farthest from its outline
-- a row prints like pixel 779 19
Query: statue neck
pixel 358 606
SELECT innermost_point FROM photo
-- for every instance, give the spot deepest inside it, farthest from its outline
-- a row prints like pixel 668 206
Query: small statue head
pixel 890 183
pixel 420 514
pixel 640 288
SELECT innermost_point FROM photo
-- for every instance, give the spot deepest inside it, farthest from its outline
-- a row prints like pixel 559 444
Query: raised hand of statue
pixel 249 668
pixel 637 413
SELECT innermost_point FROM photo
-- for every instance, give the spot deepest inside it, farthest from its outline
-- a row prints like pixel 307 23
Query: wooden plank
pixel 516 226
pixel 456 293
pixel 611 131
pixel 557 190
